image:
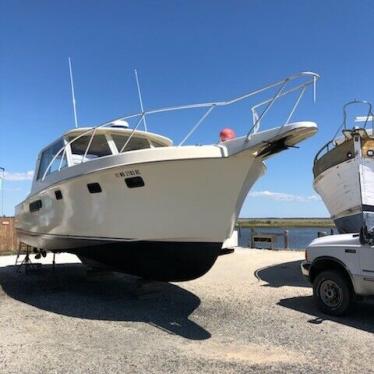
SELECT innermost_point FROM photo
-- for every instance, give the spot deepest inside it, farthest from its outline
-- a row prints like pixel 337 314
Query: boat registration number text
pixel 128 173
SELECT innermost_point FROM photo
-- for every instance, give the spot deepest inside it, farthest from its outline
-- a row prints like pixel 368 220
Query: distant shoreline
pixel 285 222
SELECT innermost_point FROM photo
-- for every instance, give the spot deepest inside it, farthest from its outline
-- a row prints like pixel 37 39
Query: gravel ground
pixel 252 312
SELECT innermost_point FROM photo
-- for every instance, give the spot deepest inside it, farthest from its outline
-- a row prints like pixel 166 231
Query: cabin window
pixel 134 143
pixel 99 147
pixel 94 187
pixel 157 144
pixel 35 206
pixel 134 182
pixel 58 195
pixel 48 155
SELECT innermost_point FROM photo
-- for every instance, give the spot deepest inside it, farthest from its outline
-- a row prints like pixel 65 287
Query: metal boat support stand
pixel 26 262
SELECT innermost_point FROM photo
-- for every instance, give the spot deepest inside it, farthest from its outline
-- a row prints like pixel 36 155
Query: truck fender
pixel 329 263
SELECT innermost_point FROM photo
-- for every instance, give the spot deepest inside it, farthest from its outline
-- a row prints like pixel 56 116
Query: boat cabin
pixel 85 144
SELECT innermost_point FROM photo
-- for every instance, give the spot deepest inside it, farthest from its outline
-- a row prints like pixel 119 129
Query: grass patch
pixel 285 222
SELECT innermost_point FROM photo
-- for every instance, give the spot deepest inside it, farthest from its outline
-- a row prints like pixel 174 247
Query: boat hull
pixel 180 201
pixel 350 224
pixel 347 190
pixel 156 260
pixel 170 229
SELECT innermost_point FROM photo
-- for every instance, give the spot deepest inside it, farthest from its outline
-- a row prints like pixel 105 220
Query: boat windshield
pixel 99 147
pixel 48 155
pixel 76 148
pixel 134 143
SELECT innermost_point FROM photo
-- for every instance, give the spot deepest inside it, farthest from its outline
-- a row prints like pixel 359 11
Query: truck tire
pixel 332 293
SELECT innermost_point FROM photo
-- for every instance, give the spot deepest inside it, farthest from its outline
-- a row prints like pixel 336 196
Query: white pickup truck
pixel 341 269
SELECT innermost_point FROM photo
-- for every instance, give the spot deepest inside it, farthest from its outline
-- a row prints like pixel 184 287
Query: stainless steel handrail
pixel 310 79
pixel 353 102
pixel 325 147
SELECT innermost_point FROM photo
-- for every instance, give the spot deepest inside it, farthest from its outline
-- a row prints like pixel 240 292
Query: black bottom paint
pixel 349 224
pixel 161 261
pixel 354 223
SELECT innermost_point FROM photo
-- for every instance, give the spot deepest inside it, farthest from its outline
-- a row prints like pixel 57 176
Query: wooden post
pixel 252 233
pixel 286 239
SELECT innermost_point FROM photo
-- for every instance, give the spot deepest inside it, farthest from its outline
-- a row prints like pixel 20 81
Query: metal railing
pixel 282 89
pixel 332 143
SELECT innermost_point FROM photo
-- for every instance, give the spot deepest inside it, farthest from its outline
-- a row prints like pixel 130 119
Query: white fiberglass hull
pixel 347 189
pixel 184 200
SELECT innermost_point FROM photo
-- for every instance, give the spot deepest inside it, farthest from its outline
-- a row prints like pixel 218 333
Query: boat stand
pixel 26 262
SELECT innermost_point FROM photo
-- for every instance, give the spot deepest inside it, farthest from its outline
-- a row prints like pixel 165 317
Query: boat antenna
pixel 314 89
pixel 140 100
pixel 73 94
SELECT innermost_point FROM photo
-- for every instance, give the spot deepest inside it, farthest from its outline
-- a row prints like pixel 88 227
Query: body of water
pixel 298 237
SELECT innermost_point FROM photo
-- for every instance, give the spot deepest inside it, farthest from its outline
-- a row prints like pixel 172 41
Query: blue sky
pixel 184 51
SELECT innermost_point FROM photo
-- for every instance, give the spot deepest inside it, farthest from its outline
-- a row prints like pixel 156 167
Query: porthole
pixel 35 206
pixel 94 187
pixel 58 195
pixel 134 182
pixel 370 153
pixel 349 155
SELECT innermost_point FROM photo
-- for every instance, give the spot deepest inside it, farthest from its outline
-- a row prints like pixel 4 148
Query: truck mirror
pixel 366 237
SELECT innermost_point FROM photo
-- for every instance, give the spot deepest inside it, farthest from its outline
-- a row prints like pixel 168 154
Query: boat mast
pixel 140 100
pixel 73 94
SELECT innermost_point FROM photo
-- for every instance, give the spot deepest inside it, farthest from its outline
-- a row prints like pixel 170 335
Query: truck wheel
pixel 332 293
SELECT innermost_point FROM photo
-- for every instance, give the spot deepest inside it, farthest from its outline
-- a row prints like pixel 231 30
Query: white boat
pixel 344 173
pixel 133 201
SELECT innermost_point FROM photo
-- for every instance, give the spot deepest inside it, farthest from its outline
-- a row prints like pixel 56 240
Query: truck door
pixel 366 254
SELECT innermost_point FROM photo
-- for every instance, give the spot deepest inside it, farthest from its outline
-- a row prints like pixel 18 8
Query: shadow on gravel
pixel 361 316
pixel 69 291
pixel 285 274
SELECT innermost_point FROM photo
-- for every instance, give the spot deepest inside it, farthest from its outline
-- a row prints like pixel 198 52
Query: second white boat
pixel 344 173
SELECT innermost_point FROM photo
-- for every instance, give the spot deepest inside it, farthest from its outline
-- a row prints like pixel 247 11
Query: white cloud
pixel 281 196
pixel 19 176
